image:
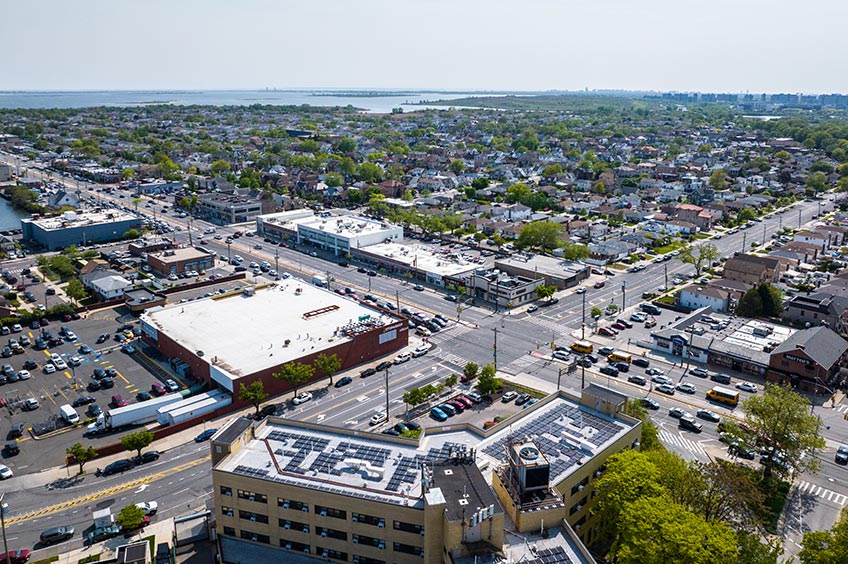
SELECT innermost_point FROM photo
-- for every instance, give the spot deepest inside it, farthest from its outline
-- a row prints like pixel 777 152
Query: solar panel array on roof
pixel 555 555
pixel 250 471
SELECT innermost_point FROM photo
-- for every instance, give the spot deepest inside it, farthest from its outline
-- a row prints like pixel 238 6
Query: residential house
pixel 695 215
pixel 819 308
pixel 611 251
pixel 751 269
pixel 821 240
pixel 61 199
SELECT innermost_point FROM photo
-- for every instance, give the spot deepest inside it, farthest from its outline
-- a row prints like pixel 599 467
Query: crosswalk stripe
pixel 807 488
pixel 680 442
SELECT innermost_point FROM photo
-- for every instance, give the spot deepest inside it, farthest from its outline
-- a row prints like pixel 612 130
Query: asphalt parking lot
pixel 64 386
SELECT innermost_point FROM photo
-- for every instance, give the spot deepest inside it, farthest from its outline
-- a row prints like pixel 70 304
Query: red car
pixel 144 522
pixel 158 389
pixel 619 325
pixel 600 284
pixel 16 556
pixel 118 401
pixel 606 331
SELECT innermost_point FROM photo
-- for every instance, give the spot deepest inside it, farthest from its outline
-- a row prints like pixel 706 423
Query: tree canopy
pixel 762 300
pixel 542 234
pixel 295 373
pixel 700 256
pixel 254 393
pixel 137 441
pixel 327 364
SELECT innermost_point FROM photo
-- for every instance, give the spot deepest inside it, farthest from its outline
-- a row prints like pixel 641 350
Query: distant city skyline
pixel 754 46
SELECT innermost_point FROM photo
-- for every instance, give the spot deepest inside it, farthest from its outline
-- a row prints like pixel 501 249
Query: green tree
pixel 771 298
pixel 127 174
pixel 75 290
pixel 595 312
pixel 456 166
pixel 718 179
pixel 542 234
pixel 295 374
pixel 629 476
pixel 650 436
pixel 407 195
pixel 782 156
pixel 821 166
pixel 136 201
pixel 415 396
pixel 81 454
pixel 345 145
pixel 574 251
pixel 470 370
pixel 655 530
pixel 518 192
pixel 750 304
pixel 131 234
pixel 219 167
pixel 130 517
pixel 333 179
pixel 254 393
pixel 480 183
pixel 746 214
pixel 700 256
pixel 552 170
pixel 137 441
pixel 817 182
pixel 826 547
pixel 783 421
pixel 545 292
pixel 327 364
pixel 369 172
pixel 451 380
pixel 488 383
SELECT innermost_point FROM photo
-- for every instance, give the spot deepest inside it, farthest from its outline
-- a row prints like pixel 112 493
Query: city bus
pixel 723 395
pixel 584 347
pixel 619 356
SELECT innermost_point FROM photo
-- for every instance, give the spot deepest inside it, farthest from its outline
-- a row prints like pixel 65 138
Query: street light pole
pixel 277 262
pixel 387 394
pixel 665 269
pixel 495 349
pixel 744 241
pixel 623 296
pixel 3 526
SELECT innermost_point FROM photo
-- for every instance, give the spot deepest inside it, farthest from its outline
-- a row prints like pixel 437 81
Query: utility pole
pixel 780 222
pixel 665 269
pixel 387 394
pixel 397 303
pixel 189 232
pixel 328 279
pixel 744 241
pixel 3 525
pixel 583 325
pixel 559 377
pixel 799 219
pixel 623 296
pixel 495 349
pixel 764 233
pixel 229 256
pixel 276 261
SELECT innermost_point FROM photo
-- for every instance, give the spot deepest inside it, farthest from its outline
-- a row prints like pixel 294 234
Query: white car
pixel 172 277
pixel 55 358
pixel 24 375
pixel 149 507
pixel 60 364
pixel 75 361
pixel 49 369
pixel 172 385
pixel 5 472
pixel 302 397
pixel 378 418
pixel 422 349
pixel 401 358
pixel 71 336
pixel 747 387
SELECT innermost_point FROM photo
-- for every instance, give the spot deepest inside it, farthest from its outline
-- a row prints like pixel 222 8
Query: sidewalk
pixel 162 531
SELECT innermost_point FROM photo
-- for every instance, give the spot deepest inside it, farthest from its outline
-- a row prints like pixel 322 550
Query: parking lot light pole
pixel 277 262
pixel 583 325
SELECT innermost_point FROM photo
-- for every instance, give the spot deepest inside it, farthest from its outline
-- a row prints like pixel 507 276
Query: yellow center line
pixel 106 492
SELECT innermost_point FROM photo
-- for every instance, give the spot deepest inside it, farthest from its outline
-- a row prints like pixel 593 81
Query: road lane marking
pixel 47 512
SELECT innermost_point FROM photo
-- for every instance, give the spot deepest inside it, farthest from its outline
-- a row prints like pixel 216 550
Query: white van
pixel 69 414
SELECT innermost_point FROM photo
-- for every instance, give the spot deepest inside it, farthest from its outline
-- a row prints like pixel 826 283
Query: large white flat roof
pixel 349 226
pixel 81 219
pixel 423 257
pixel 241 334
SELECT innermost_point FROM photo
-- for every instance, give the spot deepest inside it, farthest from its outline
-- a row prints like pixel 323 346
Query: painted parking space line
pixel 67 375
pixel 128 386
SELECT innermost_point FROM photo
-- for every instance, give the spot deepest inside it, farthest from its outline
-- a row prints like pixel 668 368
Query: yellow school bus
pixel 620 356
pixel 584 347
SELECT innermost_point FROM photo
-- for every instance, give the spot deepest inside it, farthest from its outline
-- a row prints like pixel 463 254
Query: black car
pixel 622 366
pixel 56 534
pixel 30 364
pixel 94 410
pixel 106 383
pixel 205 435
pixel 650 403
pixel 609 371
pixel 362 270
pixel 117 466
pixel 12 448
pixel 98 374
pixel 149 456
pixel 93 386
pixel 16 431
pixel 643 362
pixel 103 338
pixel 522 399
pixel 383 365
pixel 142 396
pixel 84 400
pixel 111 372
pixel 343 381
pixel 367 372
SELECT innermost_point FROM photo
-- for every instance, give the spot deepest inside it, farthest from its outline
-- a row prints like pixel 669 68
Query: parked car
pixel 149 456
pixel 158 389
pixel 205 435
pixel 367 372
pixel 699 372
pixel 609 371
pixel 83 400
pixel 747 387
pixel 438 414
pixel 637 379
pixel 172 385
pixel 118 401
pixel 341 382
pixel 842 455
pixel 15 556
pixel 688 422
pixel 56 534
pixel 708 415
pixel 677 412
pixel 118 466
pixel 509 396
pixel 302 397
pixel 378 418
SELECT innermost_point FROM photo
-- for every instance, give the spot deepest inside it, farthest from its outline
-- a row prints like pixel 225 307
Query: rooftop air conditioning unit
pixel 580 487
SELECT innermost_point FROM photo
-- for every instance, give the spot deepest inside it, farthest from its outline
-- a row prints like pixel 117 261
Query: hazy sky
pixel 706 45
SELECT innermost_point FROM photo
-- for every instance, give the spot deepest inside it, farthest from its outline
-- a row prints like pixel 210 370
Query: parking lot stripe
pixel 46 353
pixel 128 386
pixel 68 375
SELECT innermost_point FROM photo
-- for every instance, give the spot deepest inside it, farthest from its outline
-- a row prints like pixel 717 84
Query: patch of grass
pixel 151 540
pixel 90 558
pixel 774 492
pixel 702 236
pixel 670 247
pixel 46 560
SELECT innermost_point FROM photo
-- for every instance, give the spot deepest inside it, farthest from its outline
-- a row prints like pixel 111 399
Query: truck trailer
pixel 134 414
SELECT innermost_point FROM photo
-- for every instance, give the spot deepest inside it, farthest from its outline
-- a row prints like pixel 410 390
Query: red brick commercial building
pixel 180 261
pixel 232 339
pixel 811 360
